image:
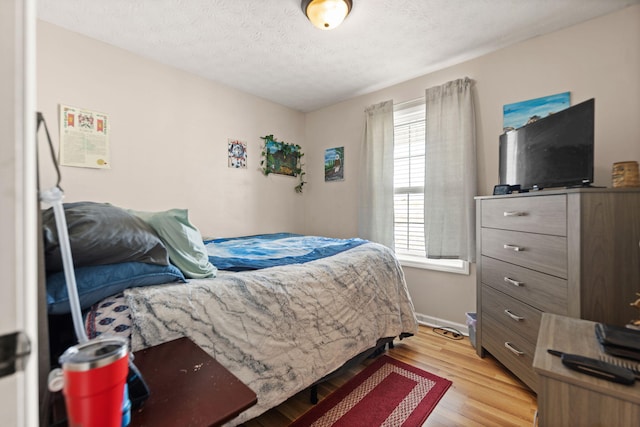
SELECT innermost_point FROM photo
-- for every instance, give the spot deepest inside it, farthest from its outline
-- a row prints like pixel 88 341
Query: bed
pixel 280 311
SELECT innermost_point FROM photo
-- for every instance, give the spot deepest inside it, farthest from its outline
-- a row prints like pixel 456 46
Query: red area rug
pixel 386 393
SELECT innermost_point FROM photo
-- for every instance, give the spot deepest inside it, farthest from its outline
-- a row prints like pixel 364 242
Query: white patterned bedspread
pixel 281 329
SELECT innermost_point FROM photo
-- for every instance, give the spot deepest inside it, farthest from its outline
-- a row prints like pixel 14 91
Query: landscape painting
pixel 521 113
pixel 282 158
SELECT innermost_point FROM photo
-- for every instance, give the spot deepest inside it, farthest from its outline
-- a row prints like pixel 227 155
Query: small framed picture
pixel 237 154
pixel 334 164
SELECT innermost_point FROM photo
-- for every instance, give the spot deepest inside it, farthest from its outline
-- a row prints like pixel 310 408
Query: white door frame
pixel 18 205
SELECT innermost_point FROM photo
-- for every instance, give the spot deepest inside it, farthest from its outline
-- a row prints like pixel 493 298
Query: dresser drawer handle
pixel 514 213
pixel 512 349
pixel 513 316
pixel 513 282
pixel 514 248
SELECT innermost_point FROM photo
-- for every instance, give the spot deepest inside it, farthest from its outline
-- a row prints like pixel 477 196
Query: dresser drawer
pixel 536 214
pixel 495 339
pixel 542 291
pixel 539 252
pixel 521 318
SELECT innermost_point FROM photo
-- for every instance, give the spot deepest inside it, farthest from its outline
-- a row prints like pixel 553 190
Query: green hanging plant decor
pixel 282 158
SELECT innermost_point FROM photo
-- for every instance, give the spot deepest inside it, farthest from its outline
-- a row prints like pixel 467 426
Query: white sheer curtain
pixel 375 213
pixel 450 174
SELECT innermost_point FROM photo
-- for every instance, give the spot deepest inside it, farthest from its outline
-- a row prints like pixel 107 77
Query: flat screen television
pixel 555 151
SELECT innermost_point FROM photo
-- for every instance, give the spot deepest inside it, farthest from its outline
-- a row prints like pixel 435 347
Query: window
pixel 409 171
pixel 408 180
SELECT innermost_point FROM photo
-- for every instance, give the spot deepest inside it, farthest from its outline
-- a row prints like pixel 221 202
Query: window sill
pixel 446 265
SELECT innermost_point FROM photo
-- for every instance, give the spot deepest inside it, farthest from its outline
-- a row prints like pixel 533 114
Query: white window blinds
pixel 409 168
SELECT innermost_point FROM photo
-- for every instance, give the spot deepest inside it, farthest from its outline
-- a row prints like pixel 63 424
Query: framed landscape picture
pixel 281 158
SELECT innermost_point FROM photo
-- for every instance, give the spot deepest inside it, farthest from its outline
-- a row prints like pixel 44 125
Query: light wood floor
pixel 483 392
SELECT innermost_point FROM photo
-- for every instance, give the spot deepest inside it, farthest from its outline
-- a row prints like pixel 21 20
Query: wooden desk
pixel 570 398
pixel 188 387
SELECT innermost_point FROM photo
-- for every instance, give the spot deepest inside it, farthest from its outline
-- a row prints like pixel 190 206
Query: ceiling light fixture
pixel 326 14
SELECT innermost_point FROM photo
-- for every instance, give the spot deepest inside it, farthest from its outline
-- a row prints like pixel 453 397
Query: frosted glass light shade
pixel 326 14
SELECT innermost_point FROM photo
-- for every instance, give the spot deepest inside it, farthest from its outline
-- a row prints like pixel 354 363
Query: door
pixel 18 207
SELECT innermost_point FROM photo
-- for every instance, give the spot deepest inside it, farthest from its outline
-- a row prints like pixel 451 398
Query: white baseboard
pixel 435 322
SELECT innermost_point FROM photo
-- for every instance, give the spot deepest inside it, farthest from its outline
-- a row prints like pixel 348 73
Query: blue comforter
pixel 269 250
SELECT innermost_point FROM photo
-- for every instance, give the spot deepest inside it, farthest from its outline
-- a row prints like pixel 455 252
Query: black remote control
pixel 596 368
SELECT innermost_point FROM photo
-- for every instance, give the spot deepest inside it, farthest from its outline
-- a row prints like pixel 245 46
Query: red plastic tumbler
pixel 95 373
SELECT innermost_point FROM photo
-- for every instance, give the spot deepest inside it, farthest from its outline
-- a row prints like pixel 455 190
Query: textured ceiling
pixel 268 48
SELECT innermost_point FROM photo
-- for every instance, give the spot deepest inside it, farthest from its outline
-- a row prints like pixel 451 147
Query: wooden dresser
pixel 569 252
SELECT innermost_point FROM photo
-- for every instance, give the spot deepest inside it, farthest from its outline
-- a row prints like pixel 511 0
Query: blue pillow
pixel 100 281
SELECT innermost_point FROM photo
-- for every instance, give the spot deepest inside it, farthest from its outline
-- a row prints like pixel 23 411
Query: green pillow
pixel 183 241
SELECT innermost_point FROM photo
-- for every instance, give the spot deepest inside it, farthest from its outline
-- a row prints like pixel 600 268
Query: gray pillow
pixel 100 233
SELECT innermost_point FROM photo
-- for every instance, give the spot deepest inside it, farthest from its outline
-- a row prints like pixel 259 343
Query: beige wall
pixel 169 132
pixel 599 59
pixel 170 129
